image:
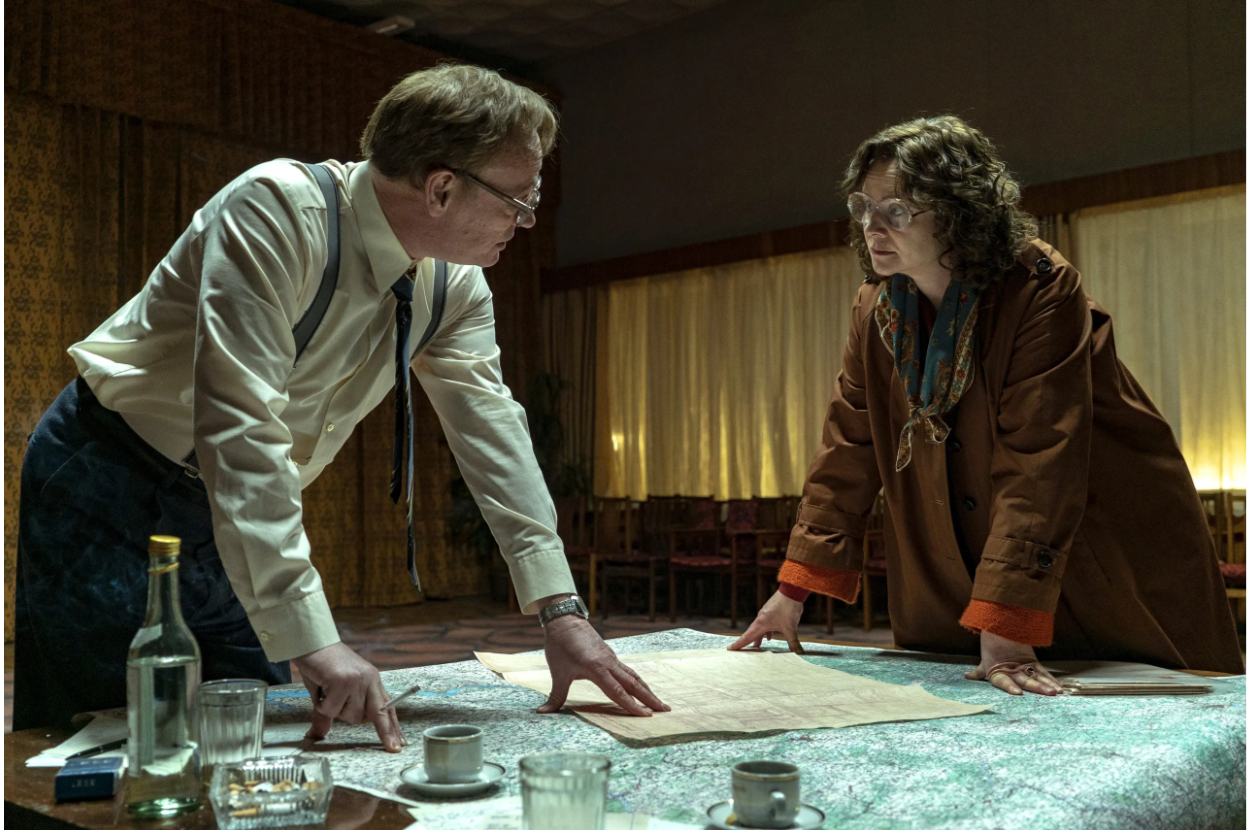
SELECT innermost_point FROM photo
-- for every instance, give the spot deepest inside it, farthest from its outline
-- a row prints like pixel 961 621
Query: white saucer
pixel 721 816
pixel 416 777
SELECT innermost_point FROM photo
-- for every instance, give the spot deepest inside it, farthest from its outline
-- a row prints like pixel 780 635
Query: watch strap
pixel 572 605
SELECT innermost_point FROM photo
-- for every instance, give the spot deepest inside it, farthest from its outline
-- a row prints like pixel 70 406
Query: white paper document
pixel 105 729
pixel 102 730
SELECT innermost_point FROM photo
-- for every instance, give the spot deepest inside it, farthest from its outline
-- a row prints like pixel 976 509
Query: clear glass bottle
pixel 162 676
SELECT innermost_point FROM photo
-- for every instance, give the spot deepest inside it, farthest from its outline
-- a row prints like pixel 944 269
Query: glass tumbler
pixel 564 791
pixel 231 719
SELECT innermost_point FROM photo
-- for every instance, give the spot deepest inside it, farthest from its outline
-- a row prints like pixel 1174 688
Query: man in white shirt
pixel 204 359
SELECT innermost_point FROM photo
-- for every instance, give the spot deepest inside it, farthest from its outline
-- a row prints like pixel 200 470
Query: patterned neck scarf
pixel 935 388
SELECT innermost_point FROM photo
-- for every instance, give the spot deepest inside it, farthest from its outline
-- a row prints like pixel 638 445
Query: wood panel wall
pixel 122 118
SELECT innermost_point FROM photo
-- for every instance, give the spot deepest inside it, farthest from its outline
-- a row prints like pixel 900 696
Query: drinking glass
pixel 231 720
pixel 564 791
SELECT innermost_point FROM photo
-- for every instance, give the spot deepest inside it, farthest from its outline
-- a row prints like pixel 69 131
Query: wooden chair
pixel 1226 521
pixel 694 525
pixel 621 553
pixel 574 531
pixel 700 535
pixel 770 555
pixel 1234 567
pixel 771 537
pixel 874 554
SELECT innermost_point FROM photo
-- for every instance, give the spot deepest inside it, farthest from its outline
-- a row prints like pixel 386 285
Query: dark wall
pixel 741 119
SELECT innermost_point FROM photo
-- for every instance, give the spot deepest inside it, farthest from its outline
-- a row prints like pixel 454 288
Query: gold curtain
pixel 1172 273
pixel 122 118
pixel 716 380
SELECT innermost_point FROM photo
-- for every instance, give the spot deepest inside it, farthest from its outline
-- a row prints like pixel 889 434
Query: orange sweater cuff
pixel 1020 625
pixel 828 581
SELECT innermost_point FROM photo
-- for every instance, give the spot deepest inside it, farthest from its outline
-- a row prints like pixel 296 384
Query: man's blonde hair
pixel 454 116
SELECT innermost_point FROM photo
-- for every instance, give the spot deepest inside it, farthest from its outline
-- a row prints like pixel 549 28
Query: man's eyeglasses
pixel 893 212
pixel 525 210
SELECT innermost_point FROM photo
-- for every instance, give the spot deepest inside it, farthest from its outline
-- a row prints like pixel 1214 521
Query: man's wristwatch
pixel 572 605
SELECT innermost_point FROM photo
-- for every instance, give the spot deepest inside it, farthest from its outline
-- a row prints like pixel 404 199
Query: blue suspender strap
pixel 436 311
pixel 307 324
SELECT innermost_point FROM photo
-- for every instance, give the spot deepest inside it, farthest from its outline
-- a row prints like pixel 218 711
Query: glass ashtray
pixel 271 792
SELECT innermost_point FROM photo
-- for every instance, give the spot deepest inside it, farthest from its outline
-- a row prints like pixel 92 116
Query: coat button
pixel 1044 265
pixel 329 427
pixel 954 444
pixel 1045 560
pixel 970 503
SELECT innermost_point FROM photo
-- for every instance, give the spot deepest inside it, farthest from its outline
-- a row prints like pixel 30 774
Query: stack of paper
pixel 1108 678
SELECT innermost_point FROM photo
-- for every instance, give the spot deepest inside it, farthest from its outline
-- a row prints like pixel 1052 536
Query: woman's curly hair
pixel 950 168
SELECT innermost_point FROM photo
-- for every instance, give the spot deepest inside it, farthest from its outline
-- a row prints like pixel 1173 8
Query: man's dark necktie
pixel 403 408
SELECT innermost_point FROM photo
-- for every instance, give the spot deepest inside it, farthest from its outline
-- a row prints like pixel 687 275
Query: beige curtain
pixel 1056 230
pixel 1172 273
pixel 715 381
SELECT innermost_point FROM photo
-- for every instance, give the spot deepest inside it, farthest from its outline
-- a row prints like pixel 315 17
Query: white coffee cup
pixel 453 754
pixel 766 793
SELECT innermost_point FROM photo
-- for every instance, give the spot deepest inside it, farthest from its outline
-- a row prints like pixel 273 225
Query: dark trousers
pixel 92 494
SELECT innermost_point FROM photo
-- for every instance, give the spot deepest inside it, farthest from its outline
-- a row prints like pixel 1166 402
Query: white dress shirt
pixel 203 356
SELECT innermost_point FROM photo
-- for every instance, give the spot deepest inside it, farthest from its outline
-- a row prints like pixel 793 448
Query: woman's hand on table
pixel 1012 667
pixel 780 615
pixel 575 651
pixel 344 685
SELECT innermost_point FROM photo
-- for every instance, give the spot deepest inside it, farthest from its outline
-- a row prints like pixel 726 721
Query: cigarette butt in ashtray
pixel 390 704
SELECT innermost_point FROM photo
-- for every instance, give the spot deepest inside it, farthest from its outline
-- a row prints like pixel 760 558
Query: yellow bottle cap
pixel 164 545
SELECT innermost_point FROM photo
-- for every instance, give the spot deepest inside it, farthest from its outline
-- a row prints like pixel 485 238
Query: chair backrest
pixel 570 520
pixel 790 510
pixel 1237 526
pixel 1226 522
pixel 702 513
pixel 741 514
pixel 614 525
pixel 658 513
pixel 773 514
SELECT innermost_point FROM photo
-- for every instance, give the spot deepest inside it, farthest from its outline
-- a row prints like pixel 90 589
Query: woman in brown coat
pixel 1039 505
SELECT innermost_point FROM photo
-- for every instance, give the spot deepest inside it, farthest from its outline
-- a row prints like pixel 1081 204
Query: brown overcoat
pixel 1060 488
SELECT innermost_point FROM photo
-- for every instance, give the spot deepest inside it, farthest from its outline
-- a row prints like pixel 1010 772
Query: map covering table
pixel 1153 762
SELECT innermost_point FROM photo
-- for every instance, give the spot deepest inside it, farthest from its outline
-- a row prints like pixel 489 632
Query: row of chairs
pixel 609 540
pixel 1226 520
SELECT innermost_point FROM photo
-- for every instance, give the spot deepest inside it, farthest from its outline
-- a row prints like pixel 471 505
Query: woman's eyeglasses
pixel 892 211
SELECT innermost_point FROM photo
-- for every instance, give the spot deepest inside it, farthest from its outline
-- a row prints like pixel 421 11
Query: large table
pixel 1153 762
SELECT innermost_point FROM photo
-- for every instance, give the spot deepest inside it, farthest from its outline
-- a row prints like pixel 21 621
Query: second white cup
pixel 453 754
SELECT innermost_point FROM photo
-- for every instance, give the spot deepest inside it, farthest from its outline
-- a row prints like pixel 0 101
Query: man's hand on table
pixel 575 651
pixel 780 615
pixel 344 685
pixel 1012 667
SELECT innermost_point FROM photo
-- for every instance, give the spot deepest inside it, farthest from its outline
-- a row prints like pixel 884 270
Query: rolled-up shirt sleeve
pixel 1039 468
pixel 489 436
pixel 843 479
pixel 259 249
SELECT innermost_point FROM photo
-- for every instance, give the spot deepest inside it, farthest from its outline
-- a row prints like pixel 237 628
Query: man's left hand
pixel 575 651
